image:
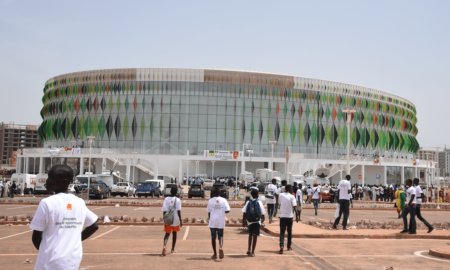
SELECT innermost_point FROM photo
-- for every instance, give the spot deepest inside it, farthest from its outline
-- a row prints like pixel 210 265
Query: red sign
pixel 359 177
pixel 236 154
pixel 287 154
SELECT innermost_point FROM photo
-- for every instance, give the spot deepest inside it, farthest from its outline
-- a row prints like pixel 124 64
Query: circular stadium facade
pixel 173 111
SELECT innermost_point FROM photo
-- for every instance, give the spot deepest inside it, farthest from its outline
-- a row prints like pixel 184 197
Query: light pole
pixel 212 177
pixel 89 166
pixel 271 165
pixel 434 177
pixel 134 165
pixel 34 166
pixel 349 121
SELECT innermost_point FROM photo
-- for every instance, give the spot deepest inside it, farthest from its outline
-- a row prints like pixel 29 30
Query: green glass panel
pixel 314 133
pixel 285 131
pixel 151 127
pixel 142 126
pixel 94 126
pixel 118 104
pixel 110 104
pixel 101 127
pixel 293 132
pixel 143 104
pixel 300 133
pixel 269 108
pixel 308 111
pixel 127 104
pixel 269 131
pixel 314 112
pixel 261 108
pixel 252 129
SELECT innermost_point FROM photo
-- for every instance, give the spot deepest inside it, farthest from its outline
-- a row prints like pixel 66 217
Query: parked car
pixel 196 191
pixel 208 184
pixel 168 187
pixel 99 190
pixel 224 193
pixel 123 189
pixel 325 193
pixel 148 189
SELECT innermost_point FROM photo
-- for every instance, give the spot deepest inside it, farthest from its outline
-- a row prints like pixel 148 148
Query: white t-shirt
pixel 378 191
pixel 299 195
pixel 344 186
pixel 381 190
pixel 309 191
pixel 167 205
pixel 286 201
pixel 280 190
pixel 353 190
pixel 217 207
pixel 418 195
pixel 261 206
pixel 61 218
pixel 271 188
pixel 315 192
pixel 409 192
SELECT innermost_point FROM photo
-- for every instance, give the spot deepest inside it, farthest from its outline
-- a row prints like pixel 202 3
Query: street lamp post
pixel 349 121
pixel 212 177
pixel 89 166
pixel 34 166
pixel 134 165
pixel 271 165
pixel 434 177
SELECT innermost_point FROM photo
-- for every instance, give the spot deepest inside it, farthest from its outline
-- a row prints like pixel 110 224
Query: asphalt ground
pixel 116 247
pixel 138 212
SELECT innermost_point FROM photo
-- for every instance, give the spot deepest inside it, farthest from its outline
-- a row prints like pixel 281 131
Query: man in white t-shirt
pixel 420 197
pixel 279 190
pixel 217 208
pixel 315 194
pixel 288 206
pixel 272 190
pixel 299 199
pixel 410 208
pixel 344 202
pixel 173 228
pixel 308 198
pixel 58 224
pixel 253 225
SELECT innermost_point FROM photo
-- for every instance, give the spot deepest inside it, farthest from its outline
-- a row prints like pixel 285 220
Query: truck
pixel 147 189
pixel 314 179
pixel 265 175
pixel 293 178
pixel 41 179
pixel 25 181
pixel 106 177
pixel 246 176
pixel 123 189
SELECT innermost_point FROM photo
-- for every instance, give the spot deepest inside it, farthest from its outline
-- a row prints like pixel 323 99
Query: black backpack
pixel 253 212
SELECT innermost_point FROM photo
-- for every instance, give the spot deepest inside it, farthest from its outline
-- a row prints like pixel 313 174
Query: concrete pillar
pixel 243 166
pixel 187 169
pixel 127 174
pixel 403 174
pixel 41 164
pixel 180 171
pixel 415 172
pixel 385 175
pixel 156 169
pixel 27 164
pixel 82 166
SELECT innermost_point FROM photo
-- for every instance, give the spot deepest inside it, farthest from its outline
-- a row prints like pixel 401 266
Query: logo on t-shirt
pixel 171 201
pixel 69 206
pixel 217 201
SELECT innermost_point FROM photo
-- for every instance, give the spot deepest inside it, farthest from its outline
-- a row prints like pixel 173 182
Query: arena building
pixel 181 115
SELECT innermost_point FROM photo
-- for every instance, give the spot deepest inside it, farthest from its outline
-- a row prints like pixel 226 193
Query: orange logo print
pixel 217 201
pixel 69 206
pixel 171 201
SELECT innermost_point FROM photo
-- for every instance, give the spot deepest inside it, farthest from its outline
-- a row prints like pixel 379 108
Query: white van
pixel 246 176
pixel 41 179
pixel 294 178
pixel 159 183
pixel 26 181
pixel 265 175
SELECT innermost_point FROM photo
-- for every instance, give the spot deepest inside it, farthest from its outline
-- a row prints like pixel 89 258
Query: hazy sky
pixel 401 47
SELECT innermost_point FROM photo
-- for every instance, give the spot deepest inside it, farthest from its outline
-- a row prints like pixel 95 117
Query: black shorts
pixel 254 228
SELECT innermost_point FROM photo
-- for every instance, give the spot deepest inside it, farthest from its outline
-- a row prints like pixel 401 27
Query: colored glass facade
pixel 177 110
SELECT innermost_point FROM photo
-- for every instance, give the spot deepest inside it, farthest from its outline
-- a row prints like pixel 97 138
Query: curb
pixel 362 236
pixel 439 252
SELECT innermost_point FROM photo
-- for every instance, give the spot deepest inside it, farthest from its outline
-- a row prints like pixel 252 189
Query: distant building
pixel 425 154
pixel 13 137
pixel 444 162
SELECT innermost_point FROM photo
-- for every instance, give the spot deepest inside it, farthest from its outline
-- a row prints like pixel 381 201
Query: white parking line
pixel 186 233
pixel 20 207
pixel 15 234
pixel 105 233
pixel 99 208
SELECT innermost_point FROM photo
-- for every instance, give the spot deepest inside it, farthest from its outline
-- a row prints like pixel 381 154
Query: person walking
pixel 235 192
pixel 420 196
pixel 315 191
pixel 189 181
pixel 279 190
pixel 410 209
pixel 400 201
pixel 299 199
pixel 288 206
pixel 172 202
pixel 271 191
pixel 254 214
pixel 344 202
pixel 217 208
pixel 1 188
pixel 58 224
pixel 308 197
pixel 12 189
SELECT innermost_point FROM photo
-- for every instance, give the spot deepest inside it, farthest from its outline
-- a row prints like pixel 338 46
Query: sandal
pixel 221 254
pixel 281 251
pixel 164 252
pixel 214 257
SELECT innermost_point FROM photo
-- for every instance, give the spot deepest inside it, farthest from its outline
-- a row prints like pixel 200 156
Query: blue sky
pixel 400 47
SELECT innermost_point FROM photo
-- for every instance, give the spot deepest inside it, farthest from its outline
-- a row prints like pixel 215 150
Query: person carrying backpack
pixel 254 214
pixel 172 219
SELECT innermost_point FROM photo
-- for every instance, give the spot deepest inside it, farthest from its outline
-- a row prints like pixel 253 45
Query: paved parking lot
pixel 115 247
